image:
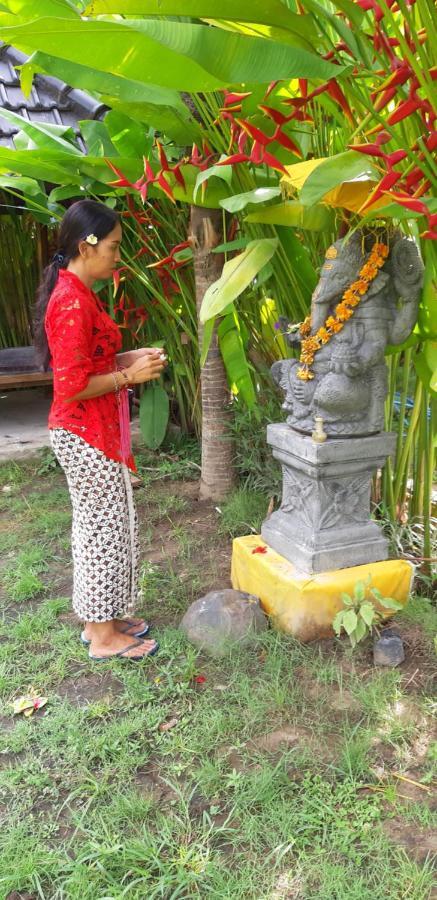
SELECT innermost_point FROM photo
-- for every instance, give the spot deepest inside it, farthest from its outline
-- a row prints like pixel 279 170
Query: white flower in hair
pixel 91 239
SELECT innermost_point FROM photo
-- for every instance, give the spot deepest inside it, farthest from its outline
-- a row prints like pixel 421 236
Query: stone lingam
pixel 333 440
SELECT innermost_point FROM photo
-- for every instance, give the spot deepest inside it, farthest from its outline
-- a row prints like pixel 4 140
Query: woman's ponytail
pixel 46 286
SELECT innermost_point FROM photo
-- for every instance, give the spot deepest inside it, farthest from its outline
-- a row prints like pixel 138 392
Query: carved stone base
pixel 324 520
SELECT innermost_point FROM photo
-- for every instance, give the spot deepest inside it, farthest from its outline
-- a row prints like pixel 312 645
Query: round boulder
pixel 221 619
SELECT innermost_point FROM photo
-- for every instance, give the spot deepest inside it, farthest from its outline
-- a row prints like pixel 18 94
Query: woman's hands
pixel 147 367
pixel 129 357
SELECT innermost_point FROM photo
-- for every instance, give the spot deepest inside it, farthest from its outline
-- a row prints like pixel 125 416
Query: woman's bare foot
pixel 131 630
pixel 107 641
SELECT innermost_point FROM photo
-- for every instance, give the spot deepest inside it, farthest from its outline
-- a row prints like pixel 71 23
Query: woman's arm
pixel 146 368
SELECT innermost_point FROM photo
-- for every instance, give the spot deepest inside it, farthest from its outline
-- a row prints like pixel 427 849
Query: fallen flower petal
pixel 260 550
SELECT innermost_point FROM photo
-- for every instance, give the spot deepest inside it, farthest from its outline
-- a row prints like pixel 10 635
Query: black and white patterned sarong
pixel 104 536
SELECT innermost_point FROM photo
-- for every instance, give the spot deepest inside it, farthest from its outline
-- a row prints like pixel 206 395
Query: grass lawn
pixel 285 771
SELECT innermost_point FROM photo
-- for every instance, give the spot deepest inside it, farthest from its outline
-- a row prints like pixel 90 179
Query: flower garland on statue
pixel 311 343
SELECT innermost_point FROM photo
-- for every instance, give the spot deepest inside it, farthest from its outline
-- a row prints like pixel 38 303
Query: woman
pixel 89 427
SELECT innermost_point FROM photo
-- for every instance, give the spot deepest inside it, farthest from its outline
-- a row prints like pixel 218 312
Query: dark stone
pixel 388 650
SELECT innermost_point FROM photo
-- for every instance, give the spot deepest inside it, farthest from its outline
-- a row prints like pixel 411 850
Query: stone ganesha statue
pixel 345 379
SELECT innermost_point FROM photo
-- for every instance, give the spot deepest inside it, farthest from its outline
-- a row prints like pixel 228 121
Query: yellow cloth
pixel 305 605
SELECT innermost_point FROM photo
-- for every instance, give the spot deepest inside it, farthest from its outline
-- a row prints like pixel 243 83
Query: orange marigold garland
pixel 344 310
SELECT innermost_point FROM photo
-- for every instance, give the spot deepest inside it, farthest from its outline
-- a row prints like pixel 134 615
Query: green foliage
pixel 236 276
pixel 254 463
pixel 154 413
pixel 22 578
pixel 360 615
pixel 243 512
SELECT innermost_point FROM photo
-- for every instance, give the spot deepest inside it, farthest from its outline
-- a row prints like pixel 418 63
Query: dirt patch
pixel 418 842
pixel 88 688
pixel 281 738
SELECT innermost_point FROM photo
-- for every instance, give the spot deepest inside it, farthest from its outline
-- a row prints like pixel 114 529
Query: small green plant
pixel 47 462
pixel 360 615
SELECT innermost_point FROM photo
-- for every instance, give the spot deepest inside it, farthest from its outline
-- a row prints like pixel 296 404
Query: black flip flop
pixel 129 624
pixel 121 653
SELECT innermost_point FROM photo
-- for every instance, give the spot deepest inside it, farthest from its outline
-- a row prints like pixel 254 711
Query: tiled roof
pixel 51 101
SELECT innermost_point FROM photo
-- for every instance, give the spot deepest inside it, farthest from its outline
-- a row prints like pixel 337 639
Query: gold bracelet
pixel 116 384
pixel 126 379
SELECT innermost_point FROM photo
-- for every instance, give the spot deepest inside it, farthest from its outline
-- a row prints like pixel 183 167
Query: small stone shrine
pixel 367 297
pixel 333 440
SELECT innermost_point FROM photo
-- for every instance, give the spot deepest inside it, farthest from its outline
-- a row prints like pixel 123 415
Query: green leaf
pixel 97 139
pixel 145 103
pixel 236 276
pixel 332 172
pixel 154 413
pixel 238 244
pixel 223 172
pixel 360 631
pixel 129 137
pixel 337 623
pixel 367 612
pixel 294 214
pixel 350 621
pixel 411 341
pixel 424 370
pixel 389 603
pixel 234 358
pixel 24 8
pixel 299 258
pixel 347 599
pixel 240 201
pixel 359 590
pixel 43 136
pixel 272 13
pixel 188 57
pixel 208 331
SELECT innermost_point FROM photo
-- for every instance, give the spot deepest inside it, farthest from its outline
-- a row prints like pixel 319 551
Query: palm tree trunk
pixel 217 475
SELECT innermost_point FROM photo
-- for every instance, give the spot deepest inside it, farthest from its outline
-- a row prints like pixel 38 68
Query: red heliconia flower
pixel 371 5
pixel 411 203
pixel 403 110
pixel 232 97
pixel 384 185
pixel 277 117
pixel 255 133
pixel 385 98
pixel 414 177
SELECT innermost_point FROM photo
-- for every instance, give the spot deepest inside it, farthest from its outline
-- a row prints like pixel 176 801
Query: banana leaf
pixel 187 57
pixel 273 13
pixel 149 103
pixel 236 276
pixel 234 358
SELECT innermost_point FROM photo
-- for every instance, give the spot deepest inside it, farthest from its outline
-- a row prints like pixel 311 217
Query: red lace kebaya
pixel 83 341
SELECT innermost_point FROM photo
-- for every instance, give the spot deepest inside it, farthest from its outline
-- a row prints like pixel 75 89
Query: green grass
pixel 276 778
pixel 22 579
pixel 243 513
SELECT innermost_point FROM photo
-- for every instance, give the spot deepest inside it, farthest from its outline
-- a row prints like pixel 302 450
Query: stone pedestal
pixel 324 519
